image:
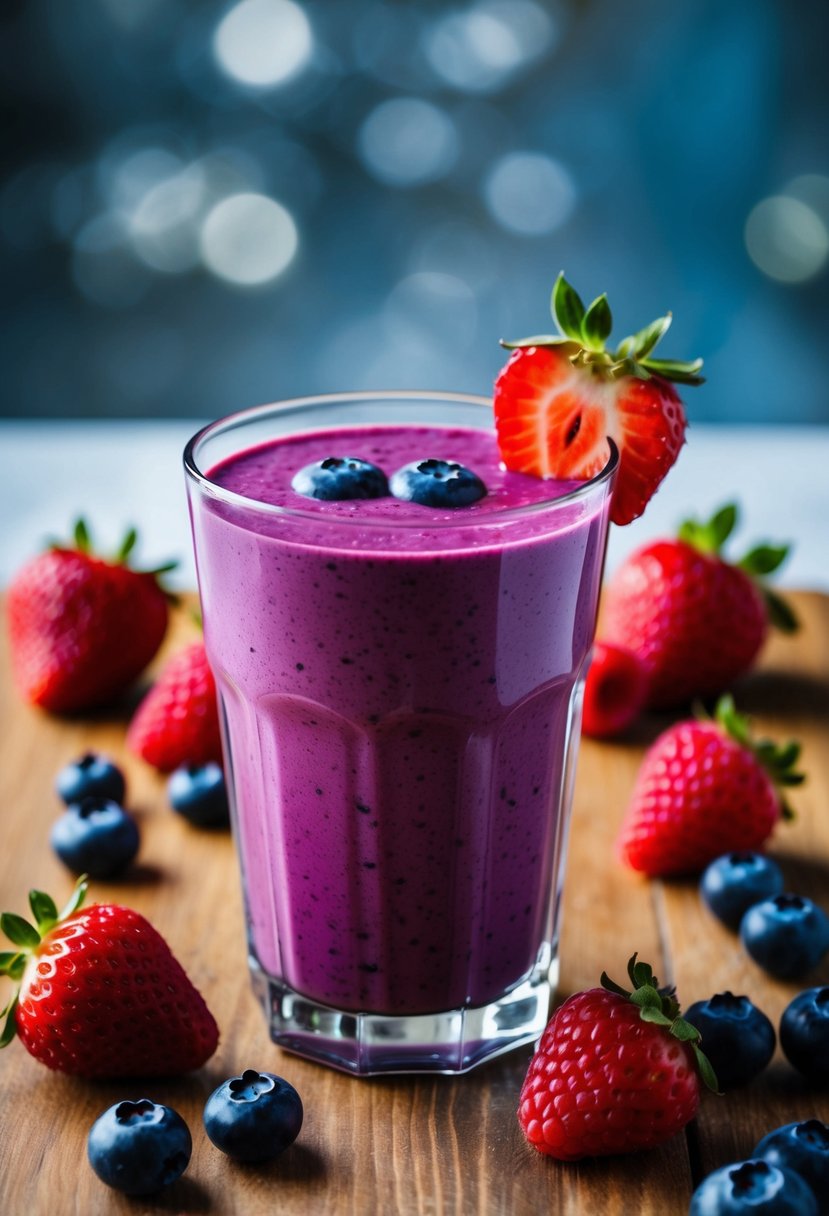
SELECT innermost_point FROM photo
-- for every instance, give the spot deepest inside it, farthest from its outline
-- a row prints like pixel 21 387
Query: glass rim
pixel 256 413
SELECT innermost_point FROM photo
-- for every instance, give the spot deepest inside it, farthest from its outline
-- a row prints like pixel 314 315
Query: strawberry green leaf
pixel 650 1013
pixel 722 523
pixel 83 541
pixel 780 613
pixel 43 910
pixel 567 309
pixel 643 342
pixel 8 962
pixel 536 340
pixel 19 931
pixel 684 1031
pixel 76 899
pixel 646 998
pixel 672 369
pixel 612 986
pixel 764 559
pixel 127 546
pixel 706 1070
pixel 597 324
pixel 10 1027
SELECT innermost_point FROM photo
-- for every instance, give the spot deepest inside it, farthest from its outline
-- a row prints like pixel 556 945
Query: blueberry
pixel 340 477
pixel 139 1147
pixel 96 837
pixel 90 776
pixel 253 1117
pixel 803 1148
pixel 753 1188
pixel 735 881
pixel 804 1033
pixel 737 1037
pixel 198 792
pixel 437 483
pixel 786 935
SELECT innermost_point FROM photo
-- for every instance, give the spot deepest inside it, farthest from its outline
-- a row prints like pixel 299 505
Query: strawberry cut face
pixel 548 425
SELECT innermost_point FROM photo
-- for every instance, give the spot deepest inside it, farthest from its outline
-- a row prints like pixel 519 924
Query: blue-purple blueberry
pixel 786 935
pixel 803 1148
pixel 139 1147
pixel 95 836
pixel 737 1037
pixel 804 1033
pixel 437 483
pixel 199 793
pixel 253 1117
pixel 733 883
pixel 753 1188
pixel 90 776
pixel 339 478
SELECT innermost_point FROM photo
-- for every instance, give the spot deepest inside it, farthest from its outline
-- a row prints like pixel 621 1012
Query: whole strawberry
pixel 616 1071
pixel 705 788
pixel 82 627
pixel 696 621
pixel 178 721
pixel 561 397
pixel 101 994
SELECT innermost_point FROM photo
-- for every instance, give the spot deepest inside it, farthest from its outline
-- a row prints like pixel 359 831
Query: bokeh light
pixel 248 239
pixel 481 48
pixel 529 193
pixel 786 239
pixel 263 43
pixel 163 225
pixel 408 142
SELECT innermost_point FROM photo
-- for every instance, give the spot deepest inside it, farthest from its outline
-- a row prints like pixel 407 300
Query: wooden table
pixel 408 1146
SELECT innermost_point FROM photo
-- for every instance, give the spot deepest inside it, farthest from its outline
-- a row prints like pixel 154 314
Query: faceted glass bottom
pixel 367 1044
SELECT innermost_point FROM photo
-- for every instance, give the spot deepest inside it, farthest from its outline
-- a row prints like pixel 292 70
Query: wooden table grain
pixel 413 1146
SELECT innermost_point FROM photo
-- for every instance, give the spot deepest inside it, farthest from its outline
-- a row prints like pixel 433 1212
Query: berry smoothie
pixel 396 683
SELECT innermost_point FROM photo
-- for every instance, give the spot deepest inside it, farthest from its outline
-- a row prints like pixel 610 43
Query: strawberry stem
pixel 709 536
pixel 779 760
pixel 660 1007
pixel 583 334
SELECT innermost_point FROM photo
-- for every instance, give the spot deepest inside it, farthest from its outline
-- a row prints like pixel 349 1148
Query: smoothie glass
pixel 400 707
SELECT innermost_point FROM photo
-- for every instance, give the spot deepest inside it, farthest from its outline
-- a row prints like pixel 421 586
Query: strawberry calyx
pixel 709 537
pixel 779 760
pixel 660 1006
pixel 583 334
pixel 82 543
pixel 28 938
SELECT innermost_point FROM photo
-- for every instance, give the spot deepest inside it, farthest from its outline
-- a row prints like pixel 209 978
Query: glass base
pixel 367 1044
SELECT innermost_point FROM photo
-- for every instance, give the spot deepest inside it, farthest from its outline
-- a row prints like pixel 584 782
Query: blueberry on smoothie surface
pixel 337 478
pixel 437 483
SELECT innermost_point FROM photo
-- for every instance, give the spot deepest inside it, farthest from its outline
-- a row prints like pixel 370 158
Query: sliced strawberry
pixel 560 398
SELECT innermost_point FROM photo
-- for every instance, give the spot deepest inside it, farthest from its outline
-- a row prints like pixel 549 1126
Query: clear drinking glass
pixel 401 834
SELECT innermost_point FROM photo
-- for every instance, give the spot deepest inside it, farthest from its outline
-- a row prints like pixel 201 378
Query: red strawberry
pixel 705 788
pixel 178 720
pixel 697 622
pixel 614 691
pixel 615 1072
pixel 83 628
pixel 559 399
pixel 101 994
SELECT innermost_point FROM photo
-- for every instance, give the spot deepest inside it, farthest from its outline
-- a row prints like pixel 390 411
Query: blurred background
pixel 208 205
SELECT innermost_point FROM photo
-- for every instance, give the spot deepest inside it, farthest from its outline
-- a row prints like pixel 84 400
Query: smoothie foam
pixel 396 684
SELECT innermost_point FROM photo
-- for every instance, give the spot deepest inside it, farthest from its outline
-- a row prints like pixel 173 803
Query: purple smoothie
pixel 396 684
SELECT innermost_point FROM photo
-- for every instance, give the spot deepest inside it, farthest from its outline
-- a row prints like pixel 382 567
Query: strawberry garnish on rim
pixel 561 397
